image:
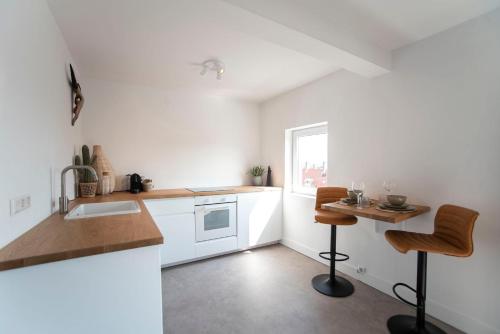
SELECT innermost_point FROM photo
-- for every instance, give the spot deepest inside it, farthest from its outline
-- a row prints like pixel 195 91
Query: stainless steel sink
pixel 103 209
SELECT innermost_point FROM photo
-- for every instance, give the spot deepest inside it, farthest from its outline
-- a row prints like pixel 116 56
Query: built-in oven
pixel 215 217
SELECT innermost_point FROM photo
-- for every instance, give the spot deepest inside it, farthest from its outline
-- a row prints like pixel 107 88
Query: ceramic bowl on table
pixel 396 200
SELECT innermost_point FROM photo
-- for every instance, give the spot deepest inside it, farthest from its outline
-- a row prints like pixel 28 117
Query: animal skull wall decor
pixel 78 100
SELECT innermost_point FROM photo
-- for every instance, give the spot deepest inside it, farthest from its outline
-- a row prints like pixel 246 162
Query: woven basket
pixel 88 189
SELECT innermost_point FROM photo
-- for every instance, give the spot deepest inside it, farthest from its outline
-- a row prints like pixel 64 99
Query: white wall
pixel 36 136
pixel 432 125
pixel 174 138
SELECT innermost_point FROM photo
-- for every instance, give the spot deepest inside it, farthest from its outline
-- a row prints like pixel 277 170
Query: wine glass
pixel 388 187
pixel 358 188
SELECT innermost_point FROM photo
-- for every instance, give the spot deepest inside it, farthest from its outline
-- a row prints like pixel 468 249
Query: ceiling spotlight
pixel 213 65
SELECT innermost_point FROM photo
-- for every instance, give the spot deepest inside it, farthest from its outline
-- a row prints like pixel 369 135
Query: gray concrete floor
pixel 268 290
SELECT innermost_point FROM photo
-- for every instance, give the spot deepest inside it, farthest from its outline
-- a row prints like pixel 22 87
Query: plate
pixel 392 206
pixel 409 208
pixel 348 200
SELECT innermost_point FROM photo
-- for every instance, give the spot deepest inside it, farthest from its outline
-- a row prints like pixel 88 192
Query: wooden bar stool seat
pixel 407 241
pixel 452 236
pixel 333 218
pixel 330 284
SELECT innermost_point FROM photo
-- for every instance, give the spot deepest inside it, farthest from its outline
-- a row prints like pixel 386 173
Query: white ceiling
pixel 268 46
pixel 158 43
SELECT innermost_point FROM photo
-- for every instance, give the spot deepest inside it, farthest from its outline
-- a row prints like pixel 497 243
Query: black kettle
pixel 135 183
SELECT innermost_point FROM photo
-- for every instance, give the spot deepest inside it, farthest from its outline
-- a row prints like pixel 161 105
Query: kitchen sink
pixel 103 209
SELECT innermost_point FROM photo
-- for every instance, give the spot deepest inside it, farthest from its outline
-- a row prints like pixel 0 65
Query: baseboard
pixel 201 258
pixel 435 309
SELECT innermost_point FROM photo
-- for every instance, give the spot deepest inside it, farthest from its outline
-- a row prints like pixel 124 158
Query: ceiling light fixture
pixel 213 65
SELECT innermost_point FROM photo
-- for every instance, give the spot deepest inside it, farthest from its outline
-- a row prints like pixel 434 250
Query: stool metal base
pixel 338 287
pixel 407 324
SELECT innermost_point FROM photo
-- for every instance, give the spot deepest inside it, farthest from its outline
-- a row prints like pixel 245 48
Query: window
pixel 309 158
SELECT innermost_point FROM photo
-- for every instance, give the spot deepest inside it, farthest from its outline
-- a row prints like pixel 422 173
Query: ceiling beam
pixel 304 35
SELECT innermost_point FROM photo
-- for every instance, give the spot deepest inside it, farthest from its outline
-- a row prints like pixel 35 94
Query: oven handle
pixel 215 206
pixel 215 203
pixel 206 209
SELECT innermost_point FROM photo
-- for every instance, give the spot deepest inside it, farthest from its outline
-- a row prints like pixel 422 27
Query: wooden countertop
pixel 172 193
pixel 373 213
pixel 56 239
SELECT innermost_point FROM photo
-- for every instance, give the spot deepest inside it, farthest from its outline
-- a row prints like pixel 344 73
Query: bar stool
pixel 452 236
pixel 330 284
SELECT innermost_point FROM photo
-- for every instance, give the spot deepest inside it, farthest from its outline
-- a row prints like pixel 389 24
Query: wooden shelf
pixel 373 213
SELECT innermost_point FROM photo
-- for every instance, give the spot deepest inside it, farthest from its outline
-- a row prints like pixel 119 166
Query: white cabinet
pixel 259 218
pixel 176 222
pixel 170 206
pixel 179 237
pixel 259 222
pixel 216 246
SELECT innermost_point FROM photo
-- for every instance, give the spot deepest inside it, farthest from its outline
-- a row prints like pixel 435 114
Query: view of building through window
pixel 310 159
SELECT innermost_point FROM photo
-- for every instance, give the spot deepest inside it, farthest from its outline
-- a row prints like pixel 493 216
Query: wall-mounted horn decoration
pixel 78 99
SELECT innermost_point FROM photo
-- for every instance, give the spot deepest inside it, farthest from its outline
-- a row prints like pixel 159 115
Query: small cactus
pixel 86 155
pixel 77 160
pixel 87 176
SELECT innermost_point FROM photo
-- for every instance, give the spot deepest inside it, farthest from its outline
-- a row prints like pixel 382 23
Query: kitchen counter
pixel 56 239
pixel 172 193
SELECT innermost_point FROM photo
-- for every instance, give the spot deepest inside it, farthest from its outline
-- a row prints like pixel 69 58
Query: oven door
pixel 215 221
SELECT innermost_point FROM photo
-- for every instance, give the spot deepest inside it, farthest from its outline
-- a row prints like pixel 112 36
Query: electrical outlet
pixel 19 204
pixel 360 269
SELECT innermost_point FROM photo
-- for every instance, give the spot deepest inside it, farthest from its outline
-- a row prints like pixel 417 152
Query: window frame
pixel 310 130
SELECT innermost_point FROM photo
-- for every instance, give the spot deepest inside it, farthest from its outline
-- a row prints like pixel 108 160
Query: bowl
pixel 352 195
pixel 396 200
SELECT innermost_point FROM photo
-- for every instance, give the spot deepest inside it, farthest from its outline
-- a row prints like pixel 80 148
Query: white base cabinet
pixel 117 292
pixel 259 222
pixel 179 237
pixel 259 218
pixel 176 221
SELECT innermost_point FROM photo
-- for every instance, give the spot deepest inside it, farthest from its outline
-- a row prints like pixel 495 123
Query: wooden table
pixel 372 213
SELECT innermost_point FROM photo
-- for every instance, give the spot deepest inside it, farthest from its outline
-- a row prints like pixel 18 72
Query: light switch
pixel 19 204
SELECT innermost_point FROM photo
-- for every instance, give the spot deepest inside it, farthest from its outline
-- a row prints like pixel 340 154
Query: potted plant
pixel 87 183
pixel 256 173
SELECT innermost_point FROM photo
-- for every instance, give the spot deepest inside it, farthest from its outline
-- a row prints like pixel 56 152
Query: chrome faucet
pixel 63 200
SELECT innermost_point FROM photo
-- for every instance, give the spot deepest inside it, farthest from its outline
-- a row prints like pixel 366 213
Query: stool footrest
pixel 401 298
pixel 327 256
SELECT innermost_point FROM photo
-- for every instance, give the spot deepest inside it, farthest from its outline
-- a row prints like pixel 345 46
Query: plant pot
pixel 257 180
pixel 88 189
